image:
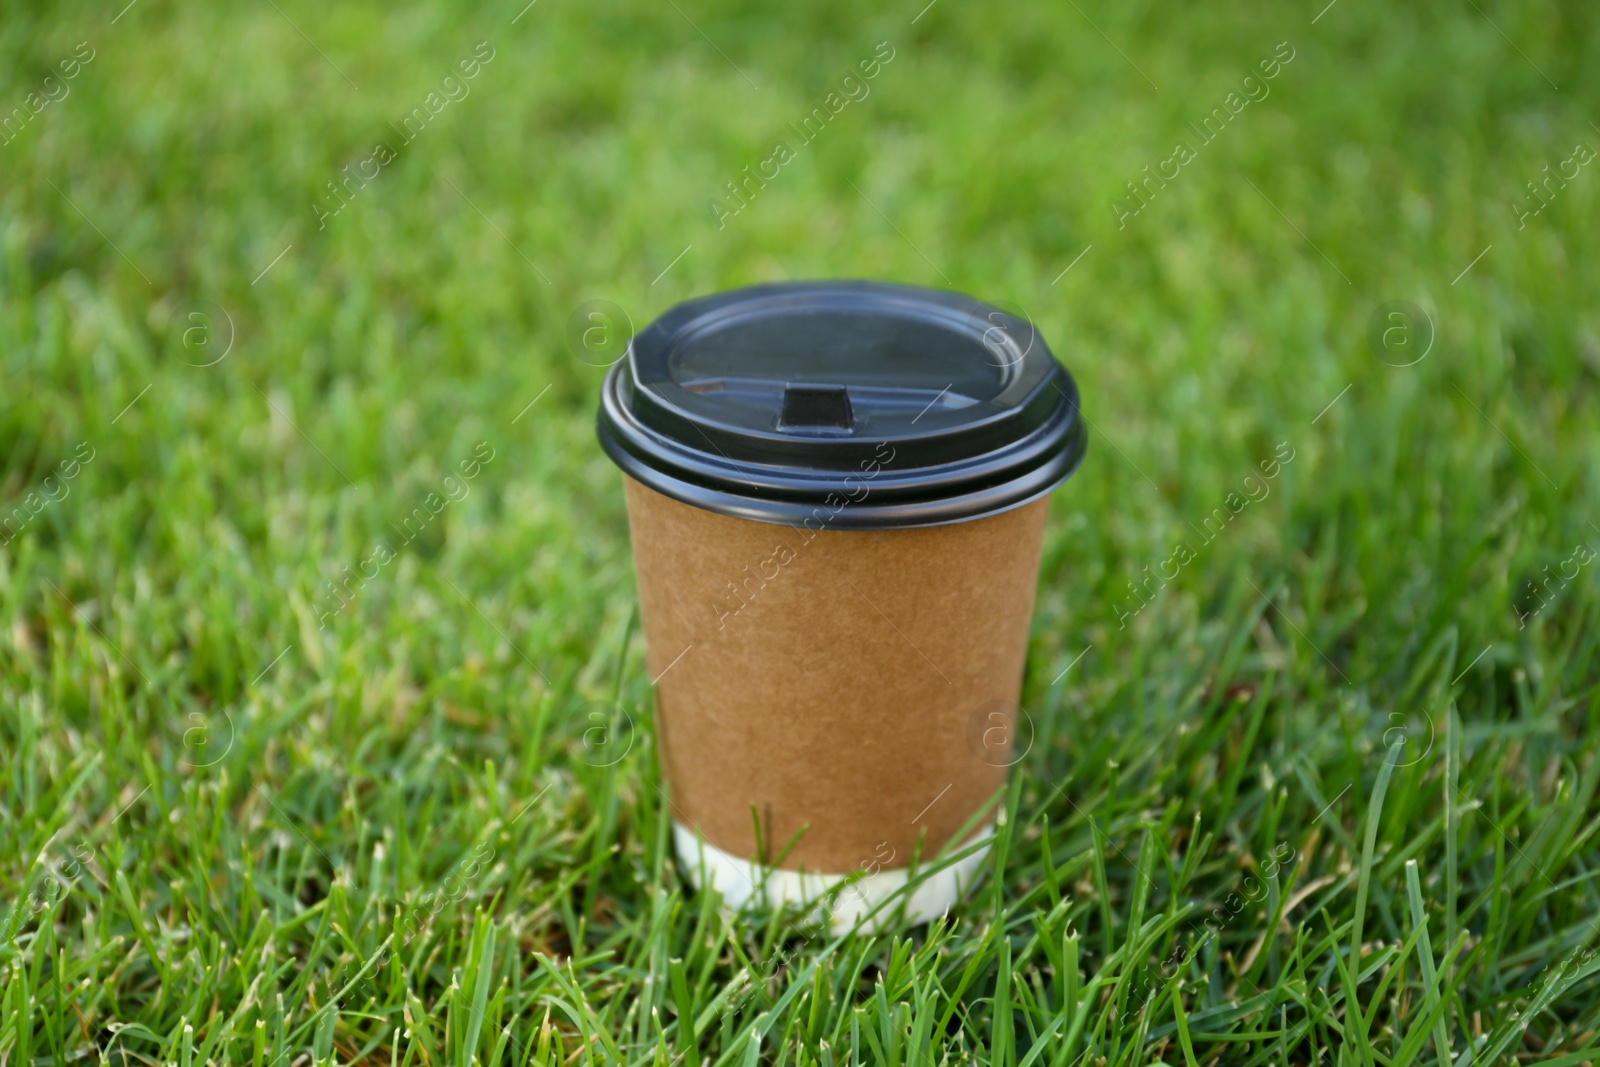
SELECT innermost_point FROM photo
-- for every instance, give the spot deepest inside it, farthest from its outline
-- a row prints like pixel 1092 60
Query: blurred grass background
pixel 214 813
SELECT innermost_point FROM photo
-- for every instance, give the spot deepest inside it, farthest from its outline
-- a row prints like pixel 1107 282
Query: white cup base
pixel 740 882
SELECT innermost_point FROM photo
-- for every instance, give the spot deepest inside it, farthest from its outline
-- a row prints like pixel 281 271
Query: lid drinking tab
pixel 884 406
pixel 816 407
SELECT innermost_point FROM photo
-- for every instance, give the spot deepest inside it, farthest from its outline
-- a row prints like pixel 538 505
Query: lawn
pixel 324 720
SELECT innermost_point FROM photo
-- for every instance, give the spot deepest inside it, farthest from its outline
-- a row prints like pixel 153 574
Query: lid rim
pixel 980 503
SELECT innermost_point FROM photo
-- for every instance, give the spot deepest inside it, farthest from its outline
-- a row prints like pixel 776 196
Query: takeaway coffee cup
pixel 836 498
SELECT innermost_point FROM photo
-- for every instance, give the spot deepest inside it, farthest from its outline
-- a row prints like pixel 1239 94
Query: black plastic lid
pixel 843 405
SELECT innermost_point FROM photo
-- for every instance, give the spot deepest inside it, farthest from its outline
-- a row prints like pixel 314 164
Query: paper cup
pixel 835 495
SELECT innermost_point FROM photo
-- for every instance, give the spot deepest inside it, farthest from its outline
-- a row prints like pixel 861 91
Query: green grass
pixel 230 836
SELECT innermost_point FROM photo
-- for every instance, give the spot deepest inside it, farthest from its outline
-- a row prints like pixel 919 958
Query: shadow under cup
pixel 836 501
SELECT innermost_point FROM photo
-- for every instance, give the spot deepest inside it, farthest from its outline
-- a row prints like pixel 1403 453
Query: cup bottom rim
pixel 741 882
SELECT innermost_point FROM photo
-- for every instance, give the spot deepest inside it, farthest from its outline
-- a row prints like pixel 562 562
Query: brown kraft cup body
pixel 835 682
